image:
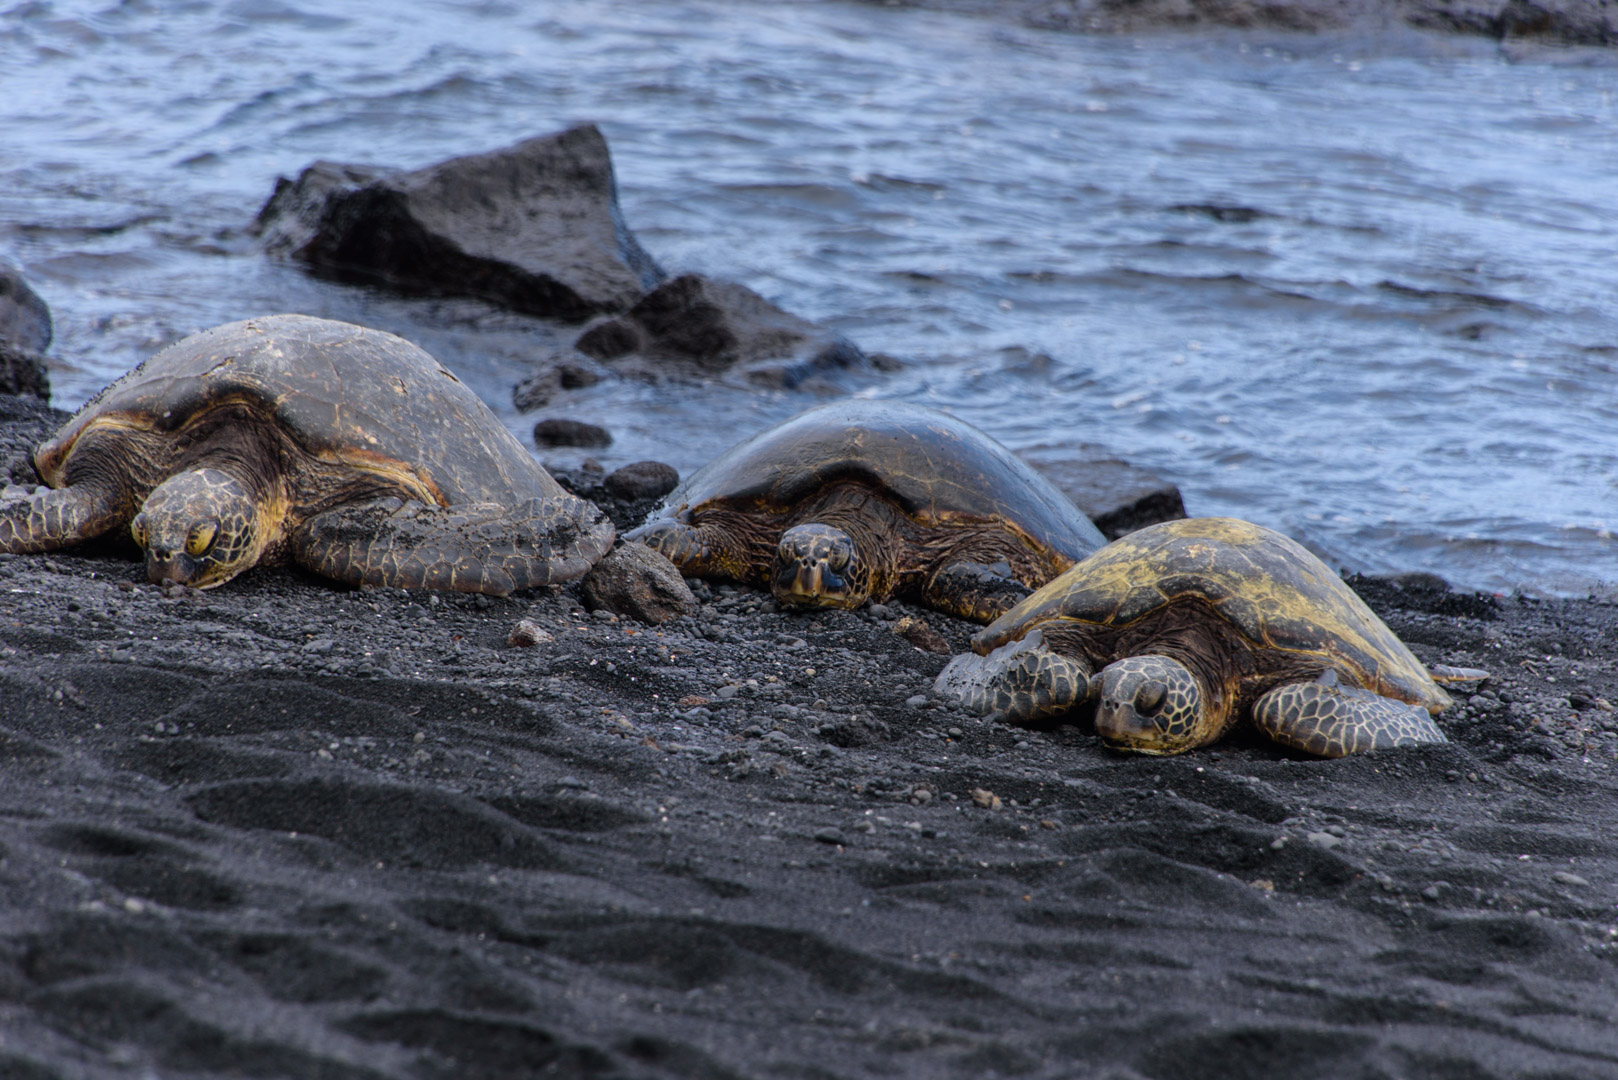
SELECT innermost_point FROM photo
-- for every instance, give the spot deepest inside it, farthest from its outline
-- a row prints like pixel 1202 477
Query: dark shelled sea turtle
pixel 1179 630
pixel 863 500
pixel 347 451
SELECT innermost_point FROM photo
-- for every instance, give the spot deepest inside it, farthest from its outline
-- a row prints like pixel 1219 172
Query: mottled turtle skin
pixel 347 451
pixel 864 500
pixel 1178 631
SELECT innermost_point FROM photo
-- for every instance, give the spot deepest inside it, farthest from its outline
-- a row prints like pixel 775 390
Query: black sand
pixel 285 830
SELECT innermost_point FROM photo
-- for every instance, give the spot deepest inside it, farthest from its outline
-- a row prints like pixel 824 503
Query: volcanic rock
pixel 25 333
pixel 636 581
pixel 704 325
pixel 642 480
pixel 1117 496
pixel 25 320
pixel 535 227
pixel 557 431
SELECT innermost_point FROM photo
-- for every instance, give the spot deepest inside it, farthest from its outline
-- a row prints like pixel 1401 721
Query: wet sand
pixel 285 829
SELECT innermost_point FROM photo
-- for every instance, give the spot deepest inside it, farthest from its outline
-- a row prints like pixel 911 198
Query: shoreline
pixel 300 830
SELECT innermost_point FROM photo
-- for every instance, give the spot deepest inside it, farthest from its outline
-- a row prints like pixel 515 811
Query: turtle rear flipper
pixel 1461 678
pixel 1332 720
pixel 472 547
pixel 1022 682
pixel 974 591
pixel 59 517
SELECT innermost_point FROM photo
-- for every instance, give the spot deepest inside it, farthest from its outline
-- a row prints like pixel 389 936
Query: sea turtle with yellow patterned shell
pixel 1182 629
pixel 347 451
pixel 864 500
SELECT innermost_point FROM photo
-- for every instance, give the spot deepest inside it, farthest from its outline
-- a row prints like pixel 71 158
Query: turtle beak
pixel 813 584
pixel 177 566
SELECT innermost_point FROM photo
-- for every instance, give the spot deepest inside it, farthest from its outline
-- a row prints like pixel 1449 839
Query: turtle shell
pixel 1269 587
pixel 345 393
pixel 937 470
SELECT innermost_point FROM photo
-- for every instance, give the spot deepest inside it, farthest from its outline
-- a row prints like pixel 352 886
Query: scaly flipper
pixel 1461 678
pixel 1020 682
pixel 475 547
pixel 1331 720
pixel 971 590
pixel 59 517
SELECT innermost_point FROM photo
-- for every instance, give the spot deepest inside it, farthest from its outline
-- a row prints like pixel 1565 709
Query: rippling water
pixel 1364 291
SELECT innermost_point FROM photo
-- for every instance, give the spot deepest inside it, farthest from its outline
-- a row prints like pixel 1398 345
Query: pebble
pixel 725 693
pixel 916 701
pixel 1324 840
pixel 1562 877
pixel 527 633
pixel 830 835
pixel 1433 891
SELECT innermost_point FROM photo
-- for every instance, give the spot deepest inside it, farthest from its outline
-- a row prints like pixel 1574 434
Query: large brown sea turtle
pixel 347 451
pixel 1179 630
pixel 863 500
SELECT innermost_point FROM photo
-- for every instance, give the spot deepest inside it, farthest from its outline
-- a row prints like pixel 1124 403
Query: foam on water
pixel 1358 290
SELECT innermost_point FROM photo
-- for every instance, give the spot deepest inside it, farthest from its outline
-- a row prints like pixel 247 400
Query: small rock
pixel 725 693
pixel 1324 840
pixel 559 431
pixel 636 581
pixel 642 480
pixel 1433 891
pixel 320 646
pixel 527 633
pixel 921 797
pixel 916 701
pixel 830 835
pixel 985 798
pixel 918 633
pixel 1562 877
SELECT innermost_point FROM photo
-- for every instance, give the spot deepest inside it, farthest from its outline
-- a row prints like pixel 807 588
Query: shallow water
pixel 1360 290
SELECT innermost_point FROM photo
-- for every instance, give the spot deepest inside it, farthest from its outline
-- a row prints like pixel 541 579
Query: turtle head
pixel 819 566
pixel 199 528
pixel 1151 705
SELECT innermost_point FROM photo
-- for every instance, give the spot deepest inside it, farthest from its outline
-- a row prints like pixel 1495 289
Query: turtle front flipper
pixel 1021 682
pixel 1331 720
pixel 474 547
pixel 53 519
pixel 974 591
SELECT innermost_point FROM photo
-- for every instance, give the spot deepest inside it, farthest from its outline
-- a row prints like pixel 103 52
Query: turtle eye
pixel 137 529
pixel 201 538
pixel 1150 698
pixel 838 557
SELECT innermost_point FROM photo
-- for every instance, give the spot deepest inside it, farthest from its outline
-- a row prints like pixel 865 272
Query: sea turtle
pixel 1178 630
pixel 861 500
pixel 347 451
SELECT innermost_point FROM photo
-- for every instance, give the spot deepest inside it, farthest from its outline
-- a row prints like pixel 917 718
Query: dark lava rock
pixel 25 422
pixel 23 372
pixel 25 333
pixel 25 321
pixel 711 326
pixel 1117 496
pixel 535 228
pixel 540 387
pixel 636 581
pixel 1423 592
pixel 1567 22
pixel 559 432
pixel 642 480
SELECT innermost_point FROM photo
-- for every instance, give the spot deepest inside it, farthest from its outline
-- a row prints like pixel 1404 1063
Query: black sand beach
pixel 284 829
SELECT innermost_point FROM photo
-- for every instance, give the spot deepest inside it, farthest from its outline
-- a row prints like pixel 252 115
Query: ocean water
pixel 1363 289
